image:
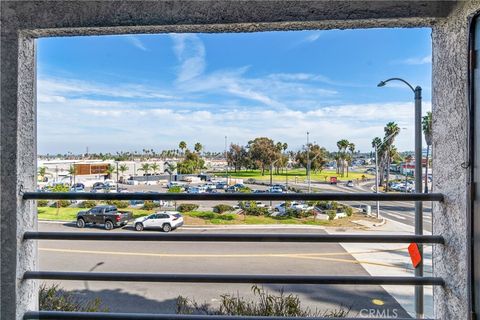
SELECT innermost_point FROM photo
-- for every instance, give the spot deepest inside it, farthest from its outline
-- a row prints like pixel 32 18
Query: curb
pixel 381 223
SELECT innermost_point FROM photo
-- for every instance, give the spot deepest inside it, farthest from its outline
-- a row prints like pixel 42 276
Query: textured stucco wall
pixel 23 21
pixel 451 155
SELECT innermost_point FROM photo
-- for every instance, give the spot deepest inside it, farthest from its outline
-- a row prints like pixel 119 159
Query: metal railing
pixel 222 278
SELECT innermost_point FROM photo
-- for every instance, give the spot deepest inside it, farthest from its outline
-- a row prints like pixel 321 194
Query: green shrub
pixel 148 205
pixel 61 204
pixel 118 203
pixel 186 207
pixel 263 304
pixel 348 210
pixel 42 203
pixel 88 204
pixel 54 299
pixel 175 189
pixel 211 215
pixel 332 214
pixel 256 211
pixel 221 208
pixel 334 205
pixel 245 190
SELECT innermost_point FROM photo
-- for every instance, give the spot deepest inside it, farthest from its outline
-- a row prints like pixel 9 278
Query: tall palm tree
pixel 182 145
pixel 198 147
pixel 351 148
pixel 342 148
pixel 427 131
pixel 391 132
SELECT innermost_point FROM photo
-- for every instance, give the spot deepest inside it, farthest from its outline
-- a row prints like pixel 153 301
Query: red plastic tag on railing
pixel 414 254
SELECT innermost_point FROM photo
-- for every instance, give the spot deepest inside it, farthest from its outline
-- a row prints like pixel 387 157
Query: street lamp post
pixel 116 162
pixel 417 91
pixel 309 166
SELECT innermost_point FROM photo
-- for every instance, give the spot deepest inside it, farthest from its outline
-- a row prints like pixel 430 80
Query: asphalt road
pixel 220 258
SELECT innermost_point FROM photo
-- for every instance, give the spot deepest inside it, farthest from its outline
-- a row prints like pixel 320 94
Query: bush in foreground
pixel 264 304
pixel 87 204
pixel 54 299
pixel 42 203
pixel 186 207
pixel 221 208
pixel 256 211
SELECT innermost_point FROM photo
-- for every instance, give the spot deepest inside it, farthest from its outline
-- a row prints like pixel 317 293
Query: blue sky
pixel 130 92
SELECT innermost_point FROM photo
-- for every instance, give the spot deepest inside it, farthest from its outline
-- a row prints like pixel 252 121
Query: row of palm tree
pixel 344 156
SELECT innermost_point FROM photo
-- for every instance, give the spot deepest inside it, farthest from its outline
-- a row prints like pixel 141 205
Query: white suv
pixel 165 220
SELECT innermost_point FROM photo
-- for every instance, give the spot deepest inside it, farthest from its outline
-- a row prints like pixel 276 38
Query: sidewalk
pixel 385 259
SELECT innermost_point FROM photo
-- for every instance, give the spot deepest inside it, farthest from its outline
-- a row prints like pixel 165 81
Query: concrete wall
pixel 23 21
pixel 451 155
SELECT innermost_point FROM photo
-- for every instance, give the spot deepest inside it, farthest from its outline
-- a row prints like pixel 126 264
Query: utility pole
pixel 226 157
pixel 308 162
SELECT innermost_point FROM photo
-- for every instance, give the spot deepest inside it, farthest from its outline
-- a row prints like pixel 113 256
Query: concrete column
pixel 450 167
pixel 17 173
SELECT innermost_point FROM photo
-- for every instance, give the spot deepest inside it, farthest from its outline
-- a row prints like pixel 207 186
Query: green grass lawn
pixel 204 217
pixel 300 174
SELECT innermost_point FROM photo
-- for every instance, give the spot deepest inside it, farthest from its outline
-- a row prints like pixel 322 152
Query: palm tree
pixel 198 147
pixel 351 148
pixel 123 168
pixel 182 145
pixel 391 132
pixel 342 148
pixel 427 131
pixel 42 171
pixel 154 166
pixel 145 167
pixel 110 169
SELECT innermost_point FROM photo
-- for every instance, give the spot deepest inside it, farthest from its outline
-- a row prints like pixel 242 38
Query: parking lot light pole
pixel 116 162
pixel 417 91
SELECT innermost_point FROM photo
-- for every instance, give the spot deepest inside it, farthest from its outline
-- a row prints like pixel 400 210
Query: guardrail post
pixel 17 171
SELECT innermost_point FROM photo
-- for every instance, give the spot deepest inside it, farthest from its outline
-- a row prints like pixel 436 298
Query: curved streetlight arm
pixel 383 83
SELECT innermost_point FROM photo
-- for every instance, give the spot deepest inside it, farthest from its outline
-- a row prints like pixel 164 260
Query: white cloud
pixel 312 37
pixel 417 60
pixel 190 52
pixel 136 42
pixel 126 126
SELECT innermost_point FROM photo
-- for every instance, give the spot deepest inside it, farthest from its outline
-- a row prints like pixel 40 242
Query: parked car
pixel 98 185
pixel 274 189
pixel 108 216
pixel 258 204
pixel 349 183
pixel 231 189
pixel 280 186
pixel 280 208
pixel 78 187
pixel 164 220
pixel 196 190
pixel 221 185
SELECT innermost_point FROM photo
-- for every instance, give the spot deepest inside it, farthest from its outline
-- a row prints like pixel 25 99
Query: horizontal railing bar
pixel 325 196
pixel 239 237
pixel 63 315
pixel 230 278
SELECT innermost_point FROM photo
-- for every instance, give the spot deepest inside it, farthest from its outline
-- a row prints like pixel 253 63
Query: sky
pixel 134 92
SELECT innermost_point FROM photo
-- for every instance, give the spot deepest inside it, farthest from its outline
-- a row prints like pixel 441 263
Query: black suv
pixel 109 216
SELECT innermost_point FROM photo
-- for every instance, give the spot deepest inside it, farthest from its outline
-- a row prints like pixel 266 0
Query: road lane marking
pixel 306 256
